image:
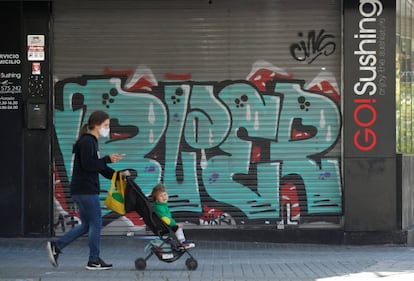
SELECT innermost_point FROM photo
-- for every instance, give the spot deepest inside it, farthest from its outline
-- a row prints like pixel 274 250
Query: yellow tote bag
pixel 115 199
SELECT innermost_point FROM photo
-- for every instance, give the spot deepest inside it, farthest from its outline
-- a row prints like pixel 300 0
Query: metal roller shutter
pixel 234 105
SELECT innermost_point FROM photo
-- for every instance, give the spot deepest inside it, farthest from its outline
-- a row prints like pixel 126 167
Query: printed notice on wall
pixel 10 81
pixel 36 47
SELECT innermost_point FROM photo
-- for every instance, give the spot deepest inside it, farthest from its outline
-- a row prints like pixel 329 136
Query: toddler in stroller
pixel 160 197
pixel 167 247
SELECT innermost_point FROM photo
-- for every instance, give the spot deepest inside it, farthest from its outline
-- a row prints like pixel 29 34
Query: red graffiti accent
pixel 121 132
pixel 136 219
pixel 60 195
pixel 263 71
pixel 181 77
pixel 299 135
pixel 118 136
pixel 289 194
pixel 141 79
pixel 328 89
pixel 261 76
pixel 210 214
pixel 256 154
pixel 110 72
pixel 143 83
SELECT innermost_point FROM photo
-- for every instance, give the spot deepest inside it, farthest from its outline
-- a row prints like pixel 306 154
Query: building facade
pixel 270 116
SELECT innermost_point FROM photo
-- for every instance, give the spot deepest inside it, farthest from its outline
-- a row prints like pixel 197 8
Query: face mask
pixel 104 132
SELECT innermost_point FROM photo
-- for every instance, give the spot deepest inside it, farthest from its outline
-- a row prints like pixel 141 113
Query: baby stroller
pixel 166 247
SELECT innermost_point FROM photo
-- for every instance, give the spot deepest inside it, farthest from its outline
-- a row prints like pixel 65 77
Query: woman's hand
pixel 115 157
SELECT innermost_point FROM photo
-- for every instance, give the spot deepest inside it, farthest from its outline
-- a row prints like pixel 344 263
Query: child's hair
pixel 157 190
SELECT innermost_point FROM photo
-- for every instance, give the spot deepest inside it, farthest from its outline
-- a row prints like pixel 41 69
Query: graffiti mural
pixel 255 150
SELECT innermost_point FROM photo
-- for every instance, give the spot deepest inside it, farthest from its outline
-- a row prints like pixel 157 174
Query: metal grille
pixel 234 105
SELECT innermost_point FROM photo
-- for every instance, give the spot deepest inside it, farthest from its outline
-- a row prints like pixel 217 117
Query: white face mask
pixel 104 132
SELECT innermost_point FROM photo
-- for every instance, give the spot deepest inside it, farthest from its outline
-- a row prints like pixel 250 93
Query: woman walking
pixel 85 190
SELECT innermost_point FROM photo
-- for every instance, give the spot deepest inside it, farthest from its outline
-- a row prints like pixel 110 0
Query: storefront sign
pixel 10 81
pixel 369 78
pixel 369 134
pixel 36 47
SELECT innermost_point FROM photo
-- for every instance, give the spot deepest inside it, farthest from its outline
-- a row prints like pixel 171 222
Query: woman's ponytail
pixel 82 131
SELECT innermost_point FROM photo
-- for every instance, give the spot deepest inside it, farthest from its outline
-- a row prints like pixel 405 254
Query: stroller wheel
pixel 140 264
pixel 191 264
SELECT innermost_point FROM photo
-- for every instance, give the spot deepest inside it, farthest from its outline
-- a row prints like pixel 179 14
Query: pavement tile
pixel 25 259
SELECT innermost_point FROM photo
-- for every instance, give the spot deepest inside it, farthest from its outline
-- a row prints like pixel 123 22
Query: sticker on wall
pixel 36 68
pixel 36 47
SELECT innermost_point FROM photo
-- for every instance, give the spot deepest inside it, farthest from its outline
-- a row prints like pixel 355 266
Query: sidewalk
pixel 25 259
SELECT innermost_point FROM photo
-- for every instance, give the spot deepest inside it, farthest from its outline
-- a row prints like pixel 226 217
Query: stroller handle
pixel 128 173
